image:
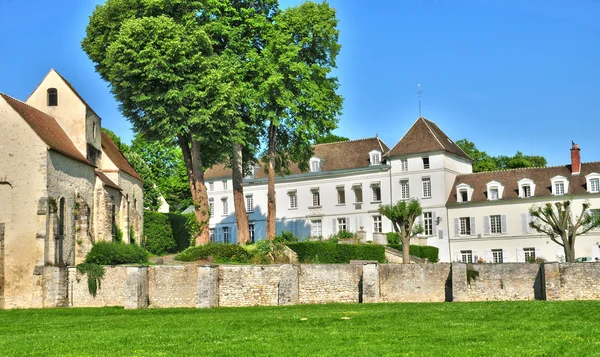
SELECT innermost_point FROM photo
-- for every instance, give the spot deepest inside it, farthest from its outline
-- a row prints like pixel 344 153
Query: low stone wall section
pixel 329 283
pixel 173 286
pixel 111 292
pixel 249 285
pixel 414 282
pixel 572 281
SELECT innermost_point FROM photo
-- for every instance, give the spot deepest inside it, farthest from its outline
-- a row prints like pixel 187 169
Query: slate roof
pixel 425 136
pixel 115 155
pixel 343 155
pixel 509 178
pixel 106 181
pixel 47 128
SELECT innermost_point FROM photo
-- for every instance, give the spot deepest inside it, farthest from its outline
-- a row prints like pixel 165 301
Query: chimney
pixel 575 159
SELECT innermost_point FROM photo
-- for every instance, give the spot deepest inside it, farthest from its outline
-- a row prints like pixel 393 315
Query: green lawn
pixel 536 328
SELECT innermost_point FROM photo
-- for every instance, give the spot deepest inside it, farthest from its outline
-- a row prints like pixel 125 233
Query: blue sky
pixel 508 75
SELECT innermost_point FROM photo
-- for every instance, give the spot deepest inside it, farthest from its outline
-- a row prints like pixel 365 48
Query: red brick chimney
pixel 575 159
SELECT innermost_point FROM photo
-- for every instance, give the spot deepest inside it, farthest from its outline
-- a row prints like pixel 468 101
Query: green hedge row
pixel 167 232
pixel 222 253
pixel 431 253
pixel 331 253
pixel 113 253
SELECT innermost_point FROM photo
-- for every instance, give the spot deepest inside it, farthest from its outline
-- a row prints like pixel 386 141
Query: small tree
pixel 403 215
pixel 557 221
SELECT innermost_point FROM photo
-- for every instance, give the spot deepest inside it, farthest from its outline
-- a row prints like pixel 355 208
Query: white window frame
pixel 426 163
pixel 225 210
pixel 375 157
pixel 249 203
pixel 251 229
pixel 404 189
pixel 376 190
pixel 356 189
pixel 226 236
pixel 593 182
pixel 316 197
pixel 293 199
pixel 224 185
pixel 494 186
pixel 426 184
pixel 316 164
pixel 377 224
pixel 465 222
pixel 342 225
pixel 522 184
pixel 403 165
pixel 497 256
pixel 496 224
pixel 428 223
pixel 466 256
pixel 211 234
pixel 341 195
pixel 211 186
pixel 463 187
pixel 211 206
pixel 316 228
pixel 556 181
pixel 529 254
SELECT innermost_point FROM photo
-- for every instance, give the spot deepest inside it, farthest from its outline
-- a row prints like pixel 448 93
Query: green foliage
pixel 345 235
pixel 472 274
pixel 392 238
pixel 420 251
pixel 269 252
pixel 117 234
pixel 131 235
pixel 403 215
pixel 111 253
pixel 330 138
pixel 94 273
pixel 182 233
pixel 159 233
pixel 332 253
pixel 222 253
pixel 285 237
pixel 482 162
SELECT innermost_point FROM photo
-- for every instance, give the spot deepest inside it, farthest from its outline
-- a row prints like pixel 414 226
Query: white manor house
pixel 467 216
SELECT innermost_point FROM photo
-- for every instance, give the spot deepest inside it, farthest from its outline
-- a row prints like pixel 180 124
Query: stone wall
pixel 111 292
pixel 327 283
pixel 249 285
pixel 172 286
pixel 414 282
pixel 572 281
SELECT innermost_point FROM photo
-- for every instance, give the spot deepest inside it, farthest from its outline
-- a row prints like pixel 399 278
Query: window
pixel 464 196
pixel 226 235
pixel 315 165
pixel 316 198
pixel 341 224
pixel 251 232
pixel 526 191
pixel 494 193
pixel 52 97
pixel 529 254
pixel 466 256
pixel 560 185
pixel 358 195
pixel 464 192
pixel 526 188
pixel 293 199
pixel 341 195
pixel 225 207
pixel 249 203
pixel 426 187
pixel 377 224
pixel 224 185
pixel 497 256
pixel 496 224
pixel 211 186
pixel 428 223
pixel 404 190
pixel 211 206
pixel 211 231
pixel 375 158
pixel 426 163
pixel 465 226
pixel 404 165
pixel 559 188
pixel 316 228
pixel 376 193
pixel 595 185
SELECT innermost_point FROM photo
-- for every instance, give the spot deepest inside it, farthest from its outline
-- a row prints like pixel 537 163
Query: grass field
pixel 536 328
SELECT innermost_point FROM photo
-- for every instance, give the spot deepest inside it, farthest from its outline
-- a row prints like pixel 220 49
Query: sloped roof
pixel 106 181
pixel 509 178
pixel 425 136
pixel 47 128
pixel 115 155
pixel 343 155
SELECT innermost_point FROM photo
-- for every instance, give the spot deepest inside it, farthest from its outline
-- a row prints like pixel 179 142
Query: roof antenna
pixel 419 92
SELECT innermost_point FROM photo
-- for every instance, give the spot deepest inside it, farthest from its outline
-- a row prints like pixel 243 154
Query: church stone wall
pixel 132 192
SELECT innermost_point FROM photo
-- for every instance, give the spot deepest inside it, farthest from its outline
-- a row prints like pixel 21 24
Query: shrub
pixel 345 235
pixel 182 231
pixel 112 253
pixel 331 253
pixel 393 238
pixel 285 237
pixel 158 232
pixel 222 253
pixel 117 234
pixel 420 251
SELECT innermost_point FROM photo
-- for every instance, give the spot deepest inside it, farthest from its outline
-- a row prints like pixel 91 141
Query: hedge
pixel 158 233
pixel 420 251
pixel 222 253
pixel 182 230
pixel 332 253
pixel 113 253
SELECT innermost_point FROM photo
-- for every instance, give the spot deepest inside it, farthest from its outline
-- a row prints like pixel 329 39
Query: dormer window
pixel 464 192
pixel 560 185
pixel 593 182
pixel 375 157
pixel 494 190
pixel 464 196
pixel 526 188
pixel 426 163
pixel 315 164
pixel 52 97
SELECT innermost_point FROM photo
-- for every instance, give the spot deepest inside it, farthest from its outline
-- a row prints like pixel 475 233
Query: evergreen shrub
pixel 222 253
pixel 159 234
pixel 419 251
pixel 332 253
pixel 113 253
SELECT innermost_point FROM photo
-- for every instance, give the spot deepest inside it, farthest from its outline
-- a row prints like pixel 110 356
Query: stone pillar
pixel 55 286
pixel 552 281
pixel 288 285
pixel 380 238
pixel 370 283
pixel 136 288
pixel 459 282
pixel 362 236
pixel 208 286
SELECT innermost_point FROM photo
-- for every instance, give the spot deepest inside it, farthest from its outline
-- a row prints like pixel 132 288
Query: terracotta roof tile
pixel 425 136
pixel 106 181
pixel 115 155
pixel 344 155
pixel 509 178
pixel 47 128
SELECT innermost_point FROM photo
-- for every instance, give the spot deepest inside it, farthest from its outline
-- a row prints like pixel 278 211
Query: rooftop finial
pixel 419 92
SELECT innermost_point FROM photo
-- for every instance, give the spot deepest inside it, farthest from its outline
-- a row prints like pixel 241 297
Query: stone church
pixel 64 185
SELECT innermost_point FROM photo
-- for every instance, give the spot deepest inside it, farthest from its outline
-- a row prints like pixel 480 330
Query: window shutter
pixel 457 256
pixel 538 253
pixel 475 256
pixel 486 224
pixel 473 230
pixel 520 255
pixel 524 225
pixel 529 219
pixel 505 256
pixel 433 220
pixel 348 228
pixel 456 227
pixel 233 231
pixel 503 223
pixel 220 234
pixel 334 226
pixel 441 234
pixel 489 258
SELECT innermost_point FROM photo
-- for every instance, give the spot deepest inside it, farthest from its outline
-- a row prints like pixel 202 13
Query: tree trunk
pixel 193 164
pixel 570 250
pixel 271 208
pixel 241 216
pixel 405 249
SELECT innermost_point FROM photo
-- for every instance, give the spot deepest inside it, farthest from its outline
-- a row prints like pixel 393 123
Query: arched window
pixel 52 97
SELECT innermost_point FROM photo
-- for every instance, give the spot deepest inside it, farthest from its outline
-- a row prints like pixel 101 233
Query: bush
pixel 159 234
pixel 393 238
pixel 182 231
pixel 222 253
pixel 331 253
pixel 420 251
pixel 285 237
pixel 113 253
pixel 345 235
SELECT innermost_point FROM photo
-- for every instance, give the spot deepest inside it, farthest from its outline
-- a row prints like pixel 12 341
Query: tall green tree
pixel 403 216
pixel 482 162
pixel 330 138
pixel 298 92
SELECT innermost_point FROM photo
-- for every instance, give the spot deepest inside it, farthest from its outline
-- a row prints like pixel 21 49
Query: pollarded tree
pixel 558 222
pixel 403 216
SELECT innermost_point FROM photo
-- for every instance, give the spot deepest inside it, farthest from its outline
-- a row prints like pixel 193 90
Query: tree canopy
pixel 330 138
pixel 403 215
pixel 483 162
